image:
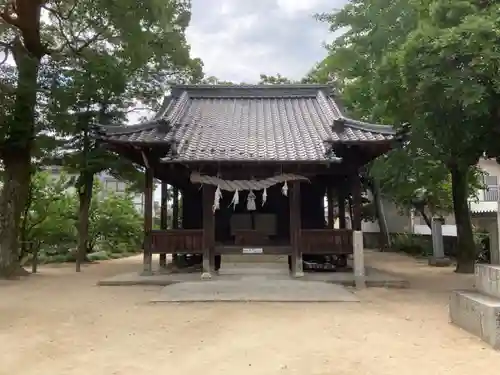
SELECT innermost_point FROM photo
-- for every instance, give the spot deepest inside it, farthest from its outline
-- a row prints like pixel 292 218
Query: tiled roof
pixel 280 122
pixel 483 207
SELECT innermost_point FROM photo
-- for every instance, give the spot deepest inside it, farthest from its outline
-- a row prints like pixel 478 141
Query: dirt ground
pixel 59 322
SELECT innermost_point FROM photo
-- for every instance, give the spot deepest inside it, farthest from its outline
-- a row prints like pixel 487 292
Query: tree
pixel 147 34
pixel 366 30
pixel 448 71
pixel 389 65
pixel 50 223
pixel 49 216
pixel 116 226
pixel 414 181
pixel 278 79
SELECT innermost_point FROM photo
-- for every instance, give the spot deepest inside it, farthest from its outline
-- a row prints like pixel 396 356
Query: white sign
pixel 252 250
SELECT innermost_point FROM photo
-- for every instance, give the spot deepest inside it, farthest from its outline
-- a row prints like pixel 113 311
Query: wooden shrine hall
pixel 253 165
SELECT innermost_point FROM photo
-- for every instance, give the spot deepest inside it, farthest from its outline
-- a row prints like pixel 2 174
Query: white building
pixel 484 211
pixel 109 183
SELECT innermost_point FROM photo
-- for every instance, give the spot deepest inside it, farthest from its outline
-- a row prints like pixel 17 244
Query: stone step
pixel 478 314
pixel 487 279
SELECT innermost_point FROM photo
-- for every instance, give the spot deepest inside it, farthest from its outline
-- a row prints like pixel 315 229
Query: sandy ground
pixel 59 322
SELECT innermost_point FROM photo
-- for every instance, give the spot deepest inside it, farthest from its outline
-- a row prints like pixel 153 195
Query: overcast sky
pixel 240 39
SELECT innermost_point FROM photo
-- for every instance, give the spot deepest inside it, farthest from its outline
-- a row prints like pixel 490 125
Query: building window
pixel 491 191
pixel 120 186
pixel 110 185
pixel 115 186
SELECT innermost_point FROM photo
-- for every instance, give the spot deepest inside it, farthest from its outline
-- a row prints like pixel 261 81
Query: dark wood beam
pixel 163 219
pixel 148 222
pixel 329 199
pixel 295 229
pixel 356 201
pixel 208 193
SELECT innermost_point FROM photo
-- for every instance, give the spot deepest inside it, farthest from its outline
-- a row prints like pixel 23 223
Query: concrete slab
pixel 439 262
pixel 255 289
pixel 374 277
pixel 477 314
pixel 487 279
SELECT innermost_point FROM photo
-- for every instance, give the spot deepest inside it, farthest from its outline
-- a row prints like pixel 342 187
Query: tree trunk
pixel 16 156
pixel 24 231
pixel 466 250
pixel 12 202
pixel 85 199
pixel 421 211
pixel 379 210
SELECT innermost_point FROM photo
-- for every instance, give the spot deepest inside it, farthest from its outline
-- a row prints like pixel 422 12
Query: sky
pixel 238 40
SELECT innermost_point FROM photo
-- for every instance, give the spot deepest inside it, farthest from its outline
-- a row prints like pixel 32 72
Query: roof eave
pixel 159 119
pixel 168 160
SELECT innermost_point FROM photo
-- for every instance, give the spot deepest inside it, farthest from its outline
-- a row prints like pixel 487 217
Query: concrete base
pixel 255 289
pixel 206 276
pixel 477 314
pixel 360 282
pixel 439 262
pixel 488 280
pixel 373 278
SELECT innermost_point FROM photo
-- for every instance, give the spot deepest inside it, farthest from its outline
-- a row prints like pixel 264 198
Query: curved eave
pixel 135 143
pixel 386 130
pixel 158 120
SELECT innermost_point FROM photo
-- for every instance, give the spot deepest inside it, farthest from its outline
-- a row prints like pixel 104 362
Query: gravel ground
pixel 59 322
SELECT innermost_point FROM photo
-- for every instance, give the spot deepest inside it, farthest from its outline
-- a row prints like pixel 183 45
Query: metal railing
pixel 490 194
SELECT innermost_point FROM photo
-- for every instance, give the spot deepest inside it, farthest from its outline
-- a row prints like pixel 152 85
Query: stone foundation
pixel 487 280
pixel 439 262
pixel 478 312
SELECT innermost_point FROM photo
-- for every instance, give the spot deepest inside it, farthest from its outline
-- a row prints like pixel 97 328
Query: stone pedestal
pixel 478 311
pixel 495 239
pixel 439 262
pixel 487 280
pixel 207 270
pixel 477 314
pixel 438 258
pixel 358 259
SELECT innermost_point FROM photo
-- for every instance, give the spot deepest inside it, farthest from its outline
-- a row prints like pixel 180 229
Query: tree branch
pixel 421 211
pixel 58 12
pixel 6 48
pixel 7 14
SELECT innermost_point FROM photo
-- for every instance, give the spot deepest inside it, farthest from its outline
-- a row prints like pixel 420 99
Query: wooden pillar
pixel 163 220
pixel 175 208
pixel 329 200
pixel 356 202
pixel 175 216
pixel 341 204
pixel 208 231
pixel 148 222
pixel 295 229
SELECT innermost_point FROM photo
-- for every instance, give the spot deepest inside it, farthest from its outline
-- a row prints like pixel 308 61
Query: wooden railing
pixel 326 241
pixel 312 241
pixel 177 241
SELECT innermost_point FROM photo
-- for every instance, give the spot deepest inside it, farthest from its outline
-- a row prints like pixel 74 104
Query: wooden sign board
pixel 253 250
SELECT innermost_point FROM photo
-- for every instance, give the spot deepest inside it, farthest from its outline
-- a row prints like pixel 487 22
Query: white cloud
pixel 300 6
pixel 238 43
